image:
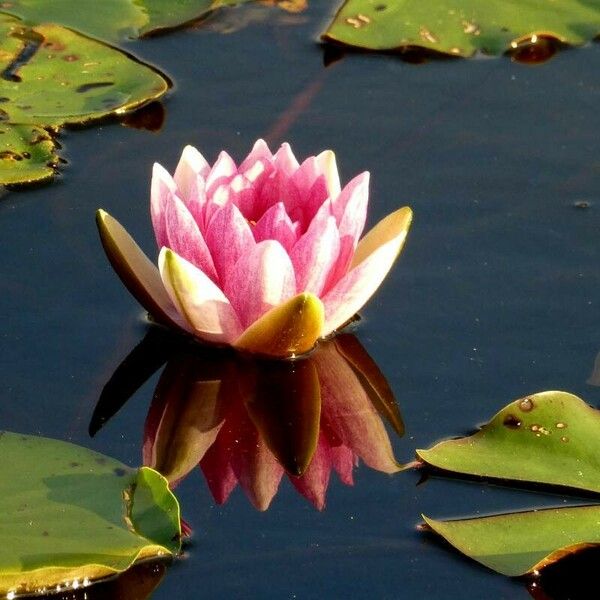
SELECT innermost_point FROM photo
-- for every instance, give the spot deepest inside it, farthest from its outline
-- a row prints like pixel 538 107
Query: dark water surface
pixel 494 297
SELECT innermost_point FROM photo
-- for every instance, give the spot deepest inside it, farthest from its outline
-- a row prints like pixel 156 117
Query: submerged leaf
pixel 462 28
pixel 550 437
pixel 72 516
pixel 520 543
pixel 27 154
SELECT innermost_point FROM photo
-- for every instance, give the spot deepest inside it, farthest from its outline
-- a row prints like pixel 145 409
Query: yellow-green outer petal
pixel 136 270
pixel 292 328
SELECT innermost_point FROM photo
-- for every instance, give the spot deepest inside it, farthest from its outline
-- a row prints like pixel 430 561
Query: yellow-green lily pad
pixel 550 438
pixel 462 27
pixel 70 516
pixel 520 543
pixel 27 154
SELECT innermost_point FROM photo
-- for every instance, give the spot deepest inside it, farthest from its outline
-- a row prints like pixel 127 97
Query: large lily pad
pixel 53 76
pixel 71 516
pixel 520 543
pixel 114 20
pixel 550 437
pixel 27 154
pixel 462 27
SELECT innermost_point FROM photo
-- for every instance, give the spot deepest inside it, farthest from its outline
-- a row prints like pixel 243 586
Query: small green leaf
pixel 27 154
pixel 464 27
pixel 71 516
pixel 520 543
pixel 550 437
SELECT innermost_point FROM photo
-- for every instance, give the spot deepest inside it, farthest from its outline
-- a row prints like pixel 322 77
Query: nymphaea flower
pixel 264 256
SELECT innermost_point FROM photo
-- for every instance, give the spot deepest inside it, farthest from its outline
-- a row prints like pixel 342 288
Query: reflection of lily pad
pixel 519 543
pixel 27 154
pixel 114 20
pixel 71 516
pixel 551 438
pixel 461 27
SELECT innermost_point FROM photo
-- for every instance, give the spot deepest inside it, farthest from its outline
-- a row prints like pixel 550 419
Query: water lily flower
pixel 265 256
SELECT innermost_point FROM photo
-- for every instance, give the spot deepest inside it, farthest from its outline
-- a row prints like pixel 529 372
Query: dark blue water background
pixel 494 297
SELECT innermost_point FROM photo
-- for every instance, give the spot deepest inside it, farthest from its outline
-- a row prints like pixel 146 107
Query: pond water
pixel 495 295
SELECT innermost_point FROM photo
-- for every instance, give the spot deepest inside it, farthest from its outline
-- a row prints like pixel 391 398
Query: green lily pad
pixel 550 437
pixel 520 543
pixel 72 516
pixel 114 20
pixel 462 27
pixel 27 154
pixel 53 76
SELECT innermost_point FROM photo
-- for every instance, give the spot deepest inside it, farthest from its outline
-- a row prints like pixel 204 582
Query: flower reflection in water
pixel 248 422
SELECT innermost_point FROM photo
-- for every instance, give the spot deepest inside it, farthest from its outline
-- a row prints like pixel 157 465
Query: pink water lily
pixel 265 256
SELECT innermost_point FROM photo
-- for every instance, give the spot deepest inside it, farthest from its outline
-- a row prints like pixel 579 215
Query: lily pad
pixel 520 543
pixel 115 20
pixel 462 27
pixel 550 437
pixel 52 76
pixel 72 516
pixel 27 154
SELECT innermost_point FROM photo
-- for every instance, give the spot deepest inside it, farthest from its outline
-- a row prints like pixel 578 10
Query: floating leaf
pixel 520 543
pixel 115 20
pixel 464 27
pixel 53 76
pixel 72 516
pixel 27 154
pixel 550 437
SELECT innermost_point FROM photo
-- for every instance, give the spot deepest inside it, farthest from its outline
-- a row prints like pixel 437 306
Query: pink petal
pixel 260 154
pixel 275 224
pixel 352 292
pixel 349 418
pixel 313 484
pixel 162 190
pixel 315 253
pixel 185 239
pixel 239 191
pixel 285 161
pixel 261 279
pixel 328 167
pixel 217 468
pixel 191 166
pixel 350 211
pixel 222 171
pixel 343 462
pixel 350 207
pixel 198 299
pixel 229 237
